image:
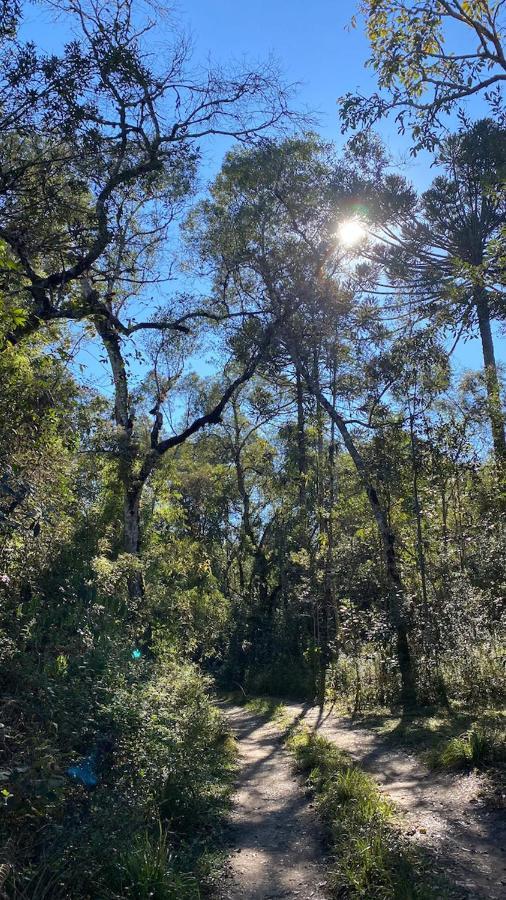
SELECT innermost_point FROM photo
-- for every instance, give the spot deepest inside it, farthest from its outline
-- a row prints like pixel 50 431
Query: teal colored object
pixel 136 654
pixel 86 771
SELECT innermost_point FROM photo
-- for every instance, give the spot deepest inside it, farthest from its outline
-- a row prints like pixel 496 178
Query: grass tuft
pixel 370 858
pixel 477 747
pixel 147 871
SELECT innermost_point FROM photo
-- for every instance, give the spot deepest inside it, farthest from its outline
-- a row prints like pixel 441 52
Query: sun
pixel 351 232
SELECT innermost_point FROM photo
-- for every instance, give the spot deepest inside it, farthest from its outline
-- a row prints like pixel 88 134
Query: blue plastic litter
pixel 136 654
pixel 85 771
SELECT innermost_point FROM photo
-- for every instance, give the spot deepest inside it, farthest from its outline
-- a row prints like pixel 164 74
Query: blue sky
pixel 315 46
pixel 314 43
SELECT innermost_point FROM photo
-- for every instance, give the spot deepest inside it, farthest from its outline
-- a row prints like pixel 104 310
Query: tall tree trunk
pixel 492 381
pixel 418 516
pixel 241 480
pixel 301 441
pixel 131 536
pixel 127 452
pixel 396 590
pixel 324 601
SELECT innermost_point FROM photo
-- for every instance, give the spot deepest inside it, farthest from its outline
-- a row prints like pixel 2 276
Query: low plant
pixel 370 857
pixel 148 871
pixel 478 747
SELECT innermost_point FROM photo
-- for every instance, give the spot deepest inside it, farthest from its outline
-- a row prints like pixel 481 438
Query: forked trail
pixel 277 848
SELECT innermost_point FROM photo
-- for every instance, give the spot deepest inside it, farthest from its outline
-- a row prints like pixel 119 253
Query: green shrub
pixel 479 746
pixel 171 759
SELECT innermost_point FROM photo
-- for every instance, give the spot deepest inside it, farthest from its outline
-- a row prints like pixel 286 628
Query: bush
pixel 167 763
pixel 478 747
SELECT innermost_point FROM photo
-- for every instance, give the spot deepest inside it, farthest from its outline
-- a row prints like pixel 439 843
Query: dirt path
pixel 275 837
pixel 441 811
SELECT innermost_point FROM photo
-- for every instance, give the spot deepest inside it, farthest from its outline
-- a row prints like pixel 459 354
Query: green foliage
pixel 146 870
pixel 370 858
pixel 479 747
pixel 136 568
pixel 69 626
pixel 425 64
pixel 168 759
pixel 265 706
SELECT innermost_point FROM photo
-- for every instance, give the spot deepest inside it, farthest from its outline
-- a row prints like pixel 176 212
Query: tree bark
pixel 495 409
pixel 396 591
pixel 131 522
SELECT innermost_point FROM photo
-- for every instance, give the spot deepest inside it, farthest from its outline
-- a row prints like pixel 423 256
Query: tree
pixel 121 138
pixel 136 458
pixel 86 210
pixel 429 56
pixel 270 226
pixel 447 255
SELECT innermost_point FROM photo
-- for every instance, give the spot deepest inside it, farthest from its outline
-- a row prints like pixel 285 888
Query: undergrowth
pixel 151 828
pixel 370 857
pixel 266 706
pixel 478 747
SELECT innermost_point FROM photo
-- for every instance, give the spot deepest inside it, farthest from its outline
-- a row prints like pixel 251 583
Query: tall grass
pixel 147 871
pixel 370 859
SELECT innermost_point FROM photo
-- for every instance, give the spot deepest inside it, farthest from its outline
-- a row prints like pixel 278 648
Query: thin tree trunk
pixel 127 453
pixel 241 480
pixel 301 441
pixel 132 478
pixel 396 591
pixel 324 599
pixel 492 381
pixel 418 515
pixel 131 537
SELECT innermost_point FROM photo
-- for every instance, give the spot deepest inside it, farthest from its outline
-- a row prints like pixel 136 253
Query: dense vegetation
pixel 325 519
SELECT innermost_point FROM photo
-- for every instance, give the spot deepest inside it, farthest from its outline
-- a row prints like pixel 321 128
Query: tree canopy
pixel 235 451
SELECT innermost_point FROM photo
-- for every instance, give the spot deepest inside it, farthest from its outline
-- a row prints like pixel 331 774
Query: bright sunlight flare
pixel 351 232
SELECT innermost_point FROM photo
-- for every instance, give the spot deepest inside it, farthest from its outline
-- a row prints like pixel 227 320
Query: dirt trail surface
pixel 276 841
pixel 442 812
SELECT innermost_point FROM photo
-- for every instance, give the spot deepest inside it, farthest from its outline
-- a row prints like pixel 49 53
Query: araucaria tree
pixel 446 251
